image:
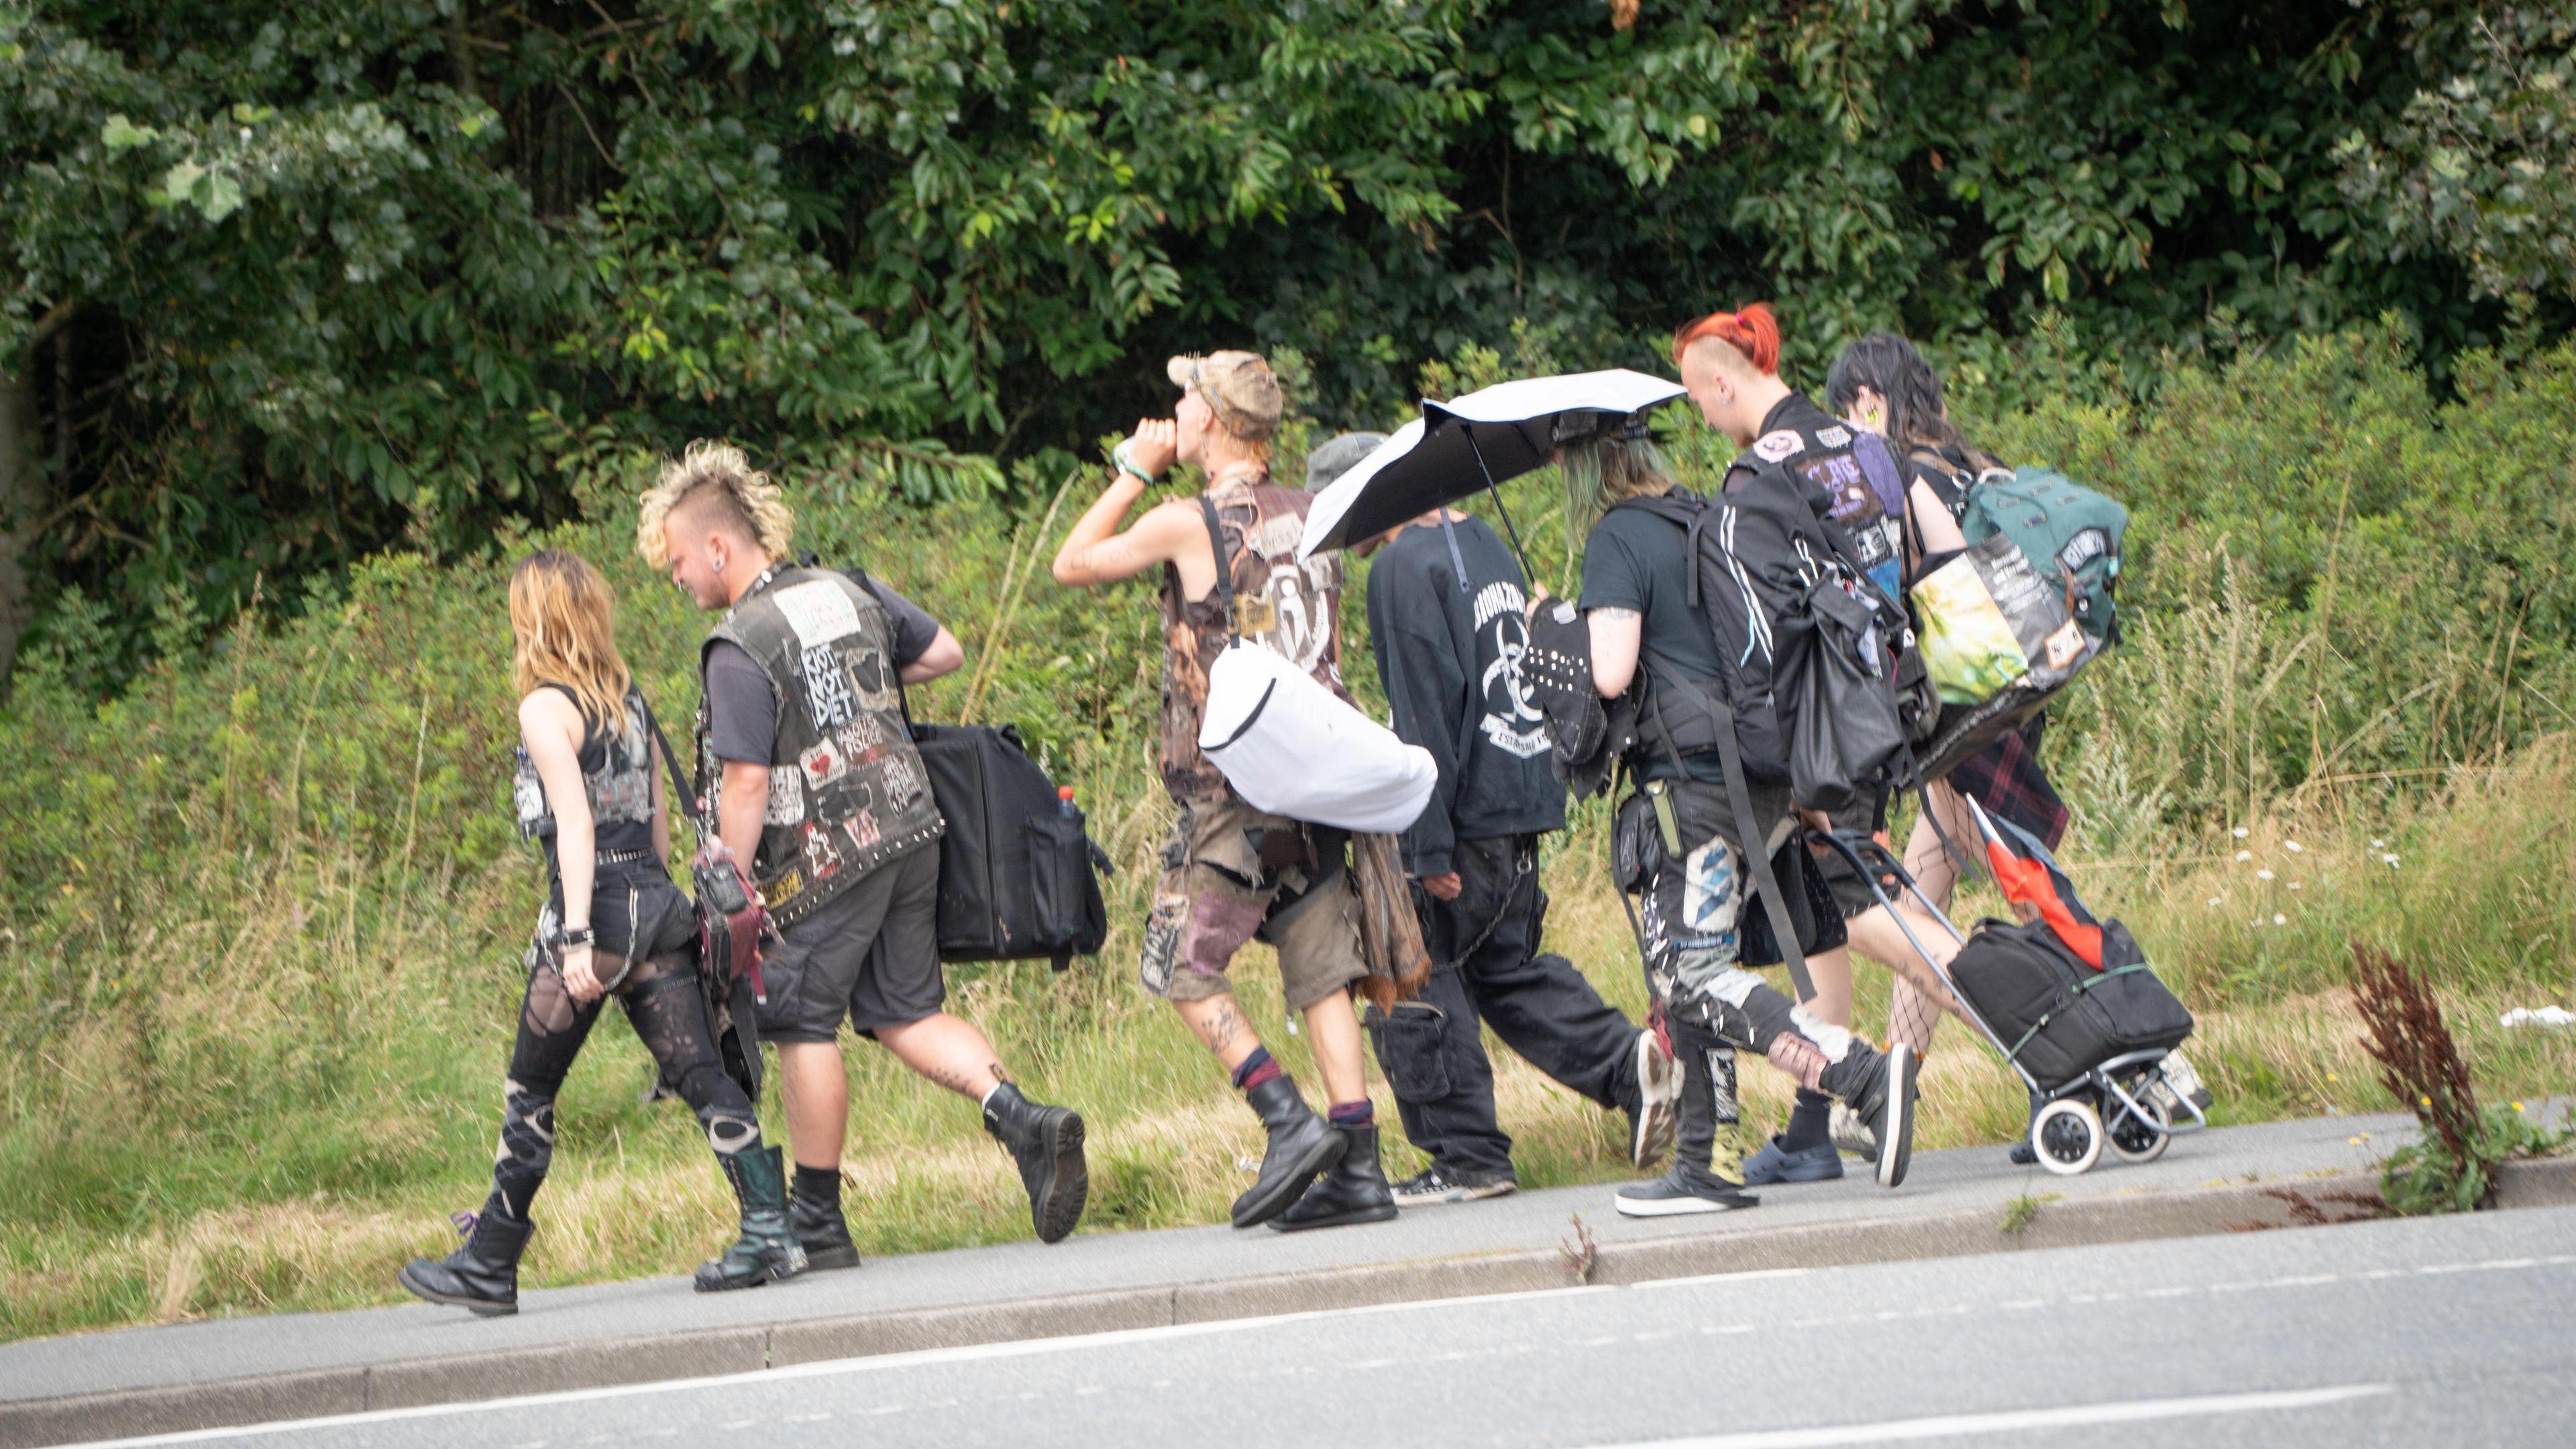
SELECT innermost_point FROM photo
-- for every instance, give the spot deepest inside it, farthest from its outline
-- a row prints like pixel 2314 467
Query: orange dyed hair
pixel 1753 332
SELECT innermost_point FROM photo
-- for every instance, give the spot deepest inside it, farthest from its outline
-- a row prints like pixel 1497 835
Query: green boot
pixel 767 1250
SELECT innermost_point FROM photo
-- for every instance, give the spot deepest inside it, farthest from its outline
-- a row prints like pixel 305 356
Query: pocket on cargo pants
pixel 1409 1047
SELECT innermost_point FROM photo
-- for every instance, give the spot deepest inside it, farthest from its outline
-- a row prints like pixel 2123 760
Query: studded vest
pixel 616 774
pixel 1292 607
pixel 847 791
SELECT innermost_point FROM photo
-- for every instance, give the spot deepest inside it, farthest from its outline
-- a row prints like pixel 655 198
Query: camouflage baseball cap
pixel 1238 386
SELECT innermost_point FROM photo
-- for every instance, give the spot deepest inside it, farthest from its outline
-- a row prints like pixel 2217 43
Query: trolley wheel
pixel 2142 1142
pixel 2067 1136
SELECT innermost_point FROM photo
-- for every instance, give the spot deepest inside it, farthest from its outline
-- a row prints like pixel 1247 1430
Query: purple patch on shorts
pixel 1219 925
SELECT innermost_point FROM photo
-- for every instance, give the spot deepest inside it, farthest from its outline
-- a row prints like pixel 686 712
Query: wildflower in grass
pixel 2243 856
pixel 2294 885
pixel 2389 861
pixel 2242 832
pixel 2379 845
pixel 2292 846
pixel 2331 1077
pixel 2517 1106
pixel 2280 920
pixel 2213 901
pixel 2262 875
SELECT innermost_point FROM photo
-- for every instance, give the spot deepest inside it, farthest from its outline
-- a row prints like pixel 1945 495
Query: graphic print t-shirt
pixel 1451 661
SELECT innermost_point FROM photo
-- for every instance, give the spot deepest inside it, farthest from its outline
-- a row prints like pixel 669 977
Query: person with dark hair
pixel 1232 872
pixel 1448 625
pixel 1641 631
pixel 1882 383
pixel 589 791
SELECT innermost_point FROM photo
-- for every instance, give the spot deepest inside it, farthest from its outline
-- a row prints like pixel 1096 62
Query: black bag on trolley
pixel 2066 992
pixel 2053 1011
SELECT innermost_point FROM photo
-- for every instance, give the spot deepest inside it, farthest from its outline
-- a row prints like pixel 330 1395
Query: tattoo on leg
pixel 1221 1027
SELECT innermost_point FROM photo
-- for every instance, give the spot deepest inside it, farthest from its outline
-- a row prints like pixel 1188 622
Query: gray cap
pixel 1337 457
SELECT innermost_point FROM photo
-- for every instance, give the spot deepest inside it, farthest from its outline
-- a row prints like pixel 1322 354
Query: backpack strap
pixel 682 795
pixel 1755 845
pixel 1224 569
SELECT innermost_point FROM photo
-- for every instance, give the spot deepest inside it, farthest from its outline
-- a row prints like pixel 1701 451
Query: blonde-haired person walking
pixel 589 791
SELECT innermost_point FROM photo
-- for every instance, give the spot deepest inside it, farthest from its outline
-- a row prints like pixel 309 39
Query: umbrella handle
pixel 1515 534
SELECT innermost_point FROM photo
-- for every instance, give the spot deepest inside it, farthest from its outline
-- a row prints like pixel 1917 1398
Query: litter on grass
pixel 2545 1016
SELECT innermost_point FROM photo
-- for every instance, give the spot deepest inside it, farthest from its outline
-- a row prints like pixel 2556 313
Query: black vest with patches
pixel 847 791
pixel 1864 490
pixel 616 773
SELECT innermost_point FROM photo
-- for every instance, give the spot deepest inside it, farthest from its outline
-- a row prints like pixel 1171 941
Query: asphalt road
pixel 2454 1332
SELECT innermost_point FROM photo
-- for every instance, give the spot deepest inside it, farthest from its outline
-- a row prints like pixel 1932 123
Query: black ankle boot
pixel 767 1251
pixel 1047 1144
pixel 819 1227
pixel 1355 1191
pixel 483 1274
pixel 1301 1145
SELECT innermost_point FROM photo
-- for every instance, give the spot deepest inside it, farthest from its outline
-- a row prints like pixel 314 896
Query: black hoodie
pixel 1450 659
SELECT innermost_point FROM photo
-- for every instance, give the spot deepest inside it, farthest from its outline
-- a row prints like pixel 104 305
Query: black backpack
pixel 1820 684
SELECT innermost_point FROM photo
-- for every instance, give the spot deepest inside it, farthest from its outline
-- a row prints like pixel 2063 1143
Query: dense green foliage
pixel 282 290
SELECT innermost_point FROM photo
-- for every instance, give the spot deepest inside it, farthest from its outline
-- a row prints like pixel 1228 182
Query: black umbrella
pixel 1469 443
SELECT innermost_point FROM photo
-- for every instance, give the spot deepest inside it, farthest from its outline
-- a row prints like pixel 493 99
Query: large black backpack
pixel 1819 684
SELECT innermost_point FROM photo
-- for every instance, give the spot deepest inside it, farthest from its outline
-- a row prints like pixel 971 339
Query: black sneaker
pixel 1683 1190
pixel 1432 1187
pixel 1881 1089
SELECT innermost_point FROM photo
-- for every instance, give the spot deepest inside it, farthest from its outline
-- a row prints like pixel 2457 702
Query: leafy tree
pixel 283 289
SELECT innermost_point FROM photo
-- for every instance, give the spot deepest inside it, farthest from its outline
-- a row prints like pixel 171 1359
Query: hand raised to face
pixel 1156 442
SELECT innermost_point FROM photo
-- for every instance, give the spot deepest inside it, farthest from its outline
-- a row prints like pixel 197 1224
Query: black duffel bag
pixel 1018 873
pixel 2053 1012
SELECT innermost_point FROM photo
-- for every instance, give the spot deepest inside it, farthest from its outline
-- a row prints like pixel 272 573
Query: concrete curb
pixel 2142 1216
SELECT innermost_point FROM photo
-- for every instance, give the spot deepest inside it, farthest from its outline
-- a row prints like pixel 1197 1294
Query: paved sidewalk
pixel 264 1368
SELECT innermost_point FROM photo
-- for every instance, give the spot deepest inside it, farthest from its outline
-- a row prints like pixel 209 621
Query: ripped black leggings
pixel 662 999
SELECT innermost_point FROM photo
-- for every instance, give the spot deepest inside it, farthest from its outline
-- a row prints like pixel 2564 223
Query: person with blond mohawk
pixel 808 772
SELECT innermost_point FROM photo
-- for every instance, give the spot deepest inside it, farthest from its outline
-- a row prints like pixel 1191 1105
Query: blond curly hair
pixel 718 477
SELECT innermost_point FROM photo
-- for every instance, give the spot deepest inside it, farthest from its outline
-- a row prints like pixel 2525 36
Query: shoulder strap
pixel 682 797
pixel 1756 845
pixel 1224 568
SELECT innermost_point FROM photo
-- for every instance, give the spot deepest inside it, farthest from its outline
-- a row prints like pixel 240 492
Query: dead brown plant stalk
pixel 2403 1030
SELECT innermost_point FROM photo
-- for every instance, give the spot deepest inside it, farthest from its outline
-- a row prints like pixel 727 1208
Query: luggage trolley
pixel 2123 1102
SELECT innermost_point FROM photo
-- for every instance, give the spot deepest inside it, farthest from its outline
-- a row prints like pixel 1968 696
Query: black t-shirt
pixel 742 713
pixel 1634 560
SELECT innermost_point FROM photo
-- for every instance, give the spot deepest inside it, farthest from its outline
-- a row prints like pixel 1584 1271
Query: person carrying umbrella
pixel 1232 872
pixel 1447 624
pixel 1677 837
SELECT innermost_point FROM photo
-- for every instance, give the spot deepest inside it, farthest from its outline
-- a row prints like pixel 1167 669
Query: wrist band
pixel 1126 465
pixel 584 936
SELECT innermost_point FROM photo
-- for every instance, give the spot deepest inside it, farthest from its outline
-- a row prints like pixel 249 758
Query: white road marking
pixel 1898 1431
pixel 1021 1348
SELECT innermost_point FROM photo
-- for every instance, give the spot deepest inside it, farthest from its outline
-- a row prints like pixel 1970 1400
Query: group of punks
pixel 807 774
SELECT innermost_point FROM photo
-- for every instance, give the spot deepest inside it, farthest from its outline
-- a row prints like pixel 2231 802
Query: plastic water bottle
pixel 1064 802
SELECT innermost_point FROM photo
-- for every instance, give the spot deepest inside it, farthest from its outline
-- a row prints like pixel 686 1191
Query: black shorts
pixel 869 954
pixel 1851 893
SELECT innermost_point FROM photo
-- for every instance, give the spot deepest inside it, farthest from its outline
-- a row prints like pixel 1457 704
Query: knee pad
pixel 729 1132
pixel 527 1129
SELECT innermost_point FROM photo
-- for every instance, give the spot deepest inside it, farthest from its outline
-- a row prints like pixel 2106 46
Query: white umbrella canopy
pixel 1466 444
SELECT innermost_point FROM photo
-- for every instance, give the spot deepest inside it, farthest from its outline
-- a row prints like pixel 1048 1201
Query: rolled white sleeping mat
pixel 1291 747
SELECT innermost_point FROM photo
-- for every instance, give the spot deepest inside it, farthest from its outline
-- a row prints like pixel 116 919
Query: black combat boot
pixel 483 1274
pixel 767 1251
pixel 1355 1191
pixel 1047 1144
pixel 1301 1145
pixel 815 1216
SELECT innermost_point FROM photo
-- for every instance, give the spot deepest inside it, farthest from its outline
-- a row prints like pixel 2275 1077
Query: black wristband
pixel 582 936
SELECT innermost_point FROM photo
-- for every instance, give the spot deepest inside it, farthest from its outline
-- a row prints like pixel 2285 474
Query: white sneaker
pixel 1659 1095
